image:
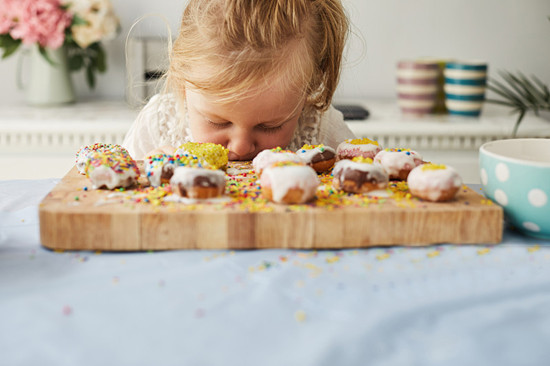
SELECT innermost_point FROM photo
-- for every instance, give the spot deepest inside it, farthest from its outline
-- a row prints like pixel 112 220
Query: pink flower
pixel 40 21
pixel 6 16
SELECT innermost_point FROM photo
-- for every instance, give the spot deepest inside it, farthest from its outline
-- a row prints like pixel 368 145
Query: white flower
pixel 102 23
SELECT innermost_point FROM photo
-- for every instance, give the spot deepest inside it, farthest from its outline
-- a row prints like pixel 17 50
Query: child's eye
pixel 268 129
pixel 218 125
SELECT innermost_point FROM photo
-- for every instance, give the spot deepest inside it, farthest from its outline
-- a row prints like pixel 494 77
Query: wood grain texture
pixel 74 219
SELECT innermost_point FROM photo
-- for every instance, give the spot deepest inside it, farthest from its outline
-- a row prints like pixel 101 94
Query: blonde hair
pixel 240 44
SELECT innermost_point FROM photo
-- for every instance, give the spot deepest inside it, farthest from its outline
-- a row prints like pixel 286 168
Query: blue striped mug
pixel 465 85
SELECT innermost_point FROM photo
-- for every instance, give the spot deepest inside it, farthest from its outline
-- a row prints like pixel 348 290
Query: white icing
pixel 395 161
pixel 366 150
pixel 374 169
pixel 282 179
pixel 306 155
pixel 350 164
pixel 153 170
pixel 185 176
pixel 267 157
pixel 433 181
pixel 105 176
pixel 237 171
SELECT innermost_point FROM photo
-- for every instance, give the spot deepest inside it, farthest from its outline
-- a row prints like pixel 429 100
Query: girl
pixel 249 75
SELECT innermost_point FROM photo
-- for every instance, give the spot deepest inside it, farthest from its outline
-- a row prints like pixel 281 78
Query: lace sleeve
pixel 157 124
pixel 332 128
pixel 326 128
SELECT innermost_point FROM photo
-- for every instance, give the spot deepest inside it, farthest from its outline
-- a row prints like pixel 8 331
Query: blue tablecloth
pixel 438 305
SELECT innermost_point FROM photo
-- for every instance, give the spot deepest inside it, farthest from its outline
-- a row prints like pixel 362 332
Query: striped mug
pixel 417 83
pixel 465 84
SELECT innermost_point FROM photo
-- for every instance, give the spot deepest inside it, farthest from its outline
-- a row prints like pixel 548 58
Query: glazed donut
pixel 398 162
pixel 111 170
pixel 359 175
pixel 267 157
pixel 351 148
pixel 289 183
pixel 196 182
pixel 320 157
pixel 84 153
pixel 434 182
pixel 159 168
pixel 210 155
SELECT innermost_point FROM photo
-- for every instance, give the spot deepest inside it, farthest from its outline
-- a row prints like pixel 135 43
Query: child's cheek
pixel 205 133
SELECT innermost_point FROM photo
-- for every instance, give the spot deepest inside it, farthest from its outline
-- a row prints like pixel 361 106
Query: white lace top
pixel 161 123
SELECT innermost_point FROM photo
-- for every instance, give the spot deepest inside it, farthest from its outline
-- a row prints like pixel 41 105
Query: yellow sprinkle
pixel 300 316
pixel 433 254
pixel 362 141
pixel 59 251
pixel 311 147
pixel 483 251
pixel 382 257
pixel 312 267
pixel 533 248
pixel 431 166
pixel 362 160
pixel 333 259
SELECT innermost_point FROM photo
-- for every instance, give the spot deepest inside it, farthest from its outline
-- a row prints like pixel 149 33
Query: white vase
pixel 47 84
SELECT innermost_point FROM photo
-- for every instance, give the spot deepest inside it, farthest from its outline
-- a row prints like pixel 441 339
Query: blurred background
pixel 512 35
pixel 508 34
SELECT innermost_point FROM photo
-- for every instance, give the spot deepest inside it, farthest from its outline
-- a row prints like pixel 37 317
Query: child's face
pixel 245 127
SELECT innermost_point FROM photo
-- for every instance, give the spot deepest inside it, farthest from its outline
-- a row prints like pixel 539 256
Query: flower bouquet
pixel 78 25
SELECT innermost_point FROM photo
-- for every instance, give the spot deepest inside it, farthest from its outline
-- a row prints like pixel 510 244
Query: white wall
pixel 509 34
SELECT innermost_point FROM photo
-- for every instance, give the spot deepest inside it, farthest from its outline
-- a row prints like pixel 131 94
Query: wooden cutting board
pixel 73 217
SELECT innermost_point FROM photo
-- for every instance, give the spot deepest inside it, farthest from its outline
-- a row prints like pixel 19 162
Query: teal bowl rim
pixel 483 149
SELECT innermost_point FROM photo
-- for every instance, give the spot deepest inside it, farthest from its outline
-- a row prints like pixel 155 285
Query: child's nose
pixel 240 146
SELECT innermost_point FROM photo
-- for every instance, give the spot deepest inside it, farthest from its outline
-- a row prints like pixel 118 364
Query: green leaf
pixel 77 20
pixel 503 91
pixel 518 122
pixel 44 54
pixel 501 102
pixel 530 88
pixel 90 77
pixel 513 83
pixel 526 91
pixel 543 87
pixel 76 62
pixel 9 45
pixel 101 60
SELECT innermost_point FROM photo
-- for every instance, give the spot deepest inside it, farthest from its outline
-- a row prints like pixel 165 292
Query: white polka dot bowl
pixel 516 174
